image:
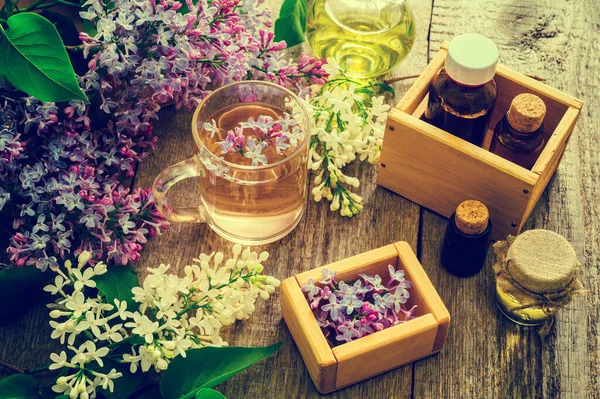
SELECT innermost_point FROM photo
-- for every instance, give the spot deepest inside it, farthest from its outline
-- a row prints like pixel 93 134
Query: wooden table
pixel 486 356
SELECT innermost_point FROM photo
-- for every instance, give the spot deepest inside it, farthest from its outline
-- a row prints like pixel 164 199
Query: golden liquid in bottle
pixel 365 38
pixel 529 316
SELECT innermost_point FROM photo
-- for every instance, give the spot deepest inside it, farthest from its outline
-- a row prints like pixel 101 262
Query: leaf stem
pixel 68 3
pixel 399 78
pixel 37 369
pixel 34 6
pixel 11 367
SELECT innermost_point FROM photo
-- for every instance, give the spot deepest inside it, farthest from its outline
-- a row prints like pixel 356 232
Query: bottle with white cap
pixel 463 93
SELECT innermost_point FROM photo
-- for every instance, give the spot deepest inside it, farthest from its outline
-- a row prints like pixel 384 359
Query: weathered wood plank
pixel 486 355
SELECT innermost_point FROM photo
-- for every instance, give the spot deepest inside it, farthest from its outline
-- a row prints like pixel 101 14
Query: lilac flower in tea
pixel 347 311
pixel 252 137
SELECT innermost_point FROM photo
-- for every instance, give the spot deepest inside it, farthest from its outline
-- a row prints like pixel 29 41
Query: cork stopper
pixel 472 217
pixel 542 261
pixel 526 113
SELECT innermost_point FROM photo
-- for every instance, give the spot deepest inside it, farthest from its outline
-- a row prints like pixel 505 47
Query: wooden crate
pixel 346 364
pixel 439 170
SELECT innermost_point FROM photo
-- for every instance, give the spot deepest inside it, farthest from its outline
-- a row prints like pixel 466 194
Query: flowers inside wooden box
pixel 423 334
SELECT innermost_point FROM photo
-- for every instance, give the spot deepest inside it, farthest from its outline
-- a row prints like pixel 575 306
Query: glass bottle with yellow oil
pixel 365 38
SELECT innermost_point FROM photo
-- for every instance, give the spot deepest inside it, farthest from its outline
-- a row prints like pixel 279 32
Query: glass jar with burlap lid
pixel 537 273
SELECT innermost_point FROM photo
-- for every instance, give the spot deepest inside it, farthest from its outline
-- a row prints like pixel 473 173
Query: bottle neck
pixel 458 232
pixel 463 84
pixel 517 134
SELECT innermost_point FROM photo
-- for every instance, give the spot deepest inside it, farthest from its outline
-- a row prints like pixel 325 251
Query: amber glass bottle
pixel 467 239
pixel 463 93
pixel 519 136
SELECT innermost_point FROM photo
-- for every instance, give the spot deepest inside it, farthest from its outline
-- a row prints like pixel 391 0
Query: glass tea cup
pixel 245 200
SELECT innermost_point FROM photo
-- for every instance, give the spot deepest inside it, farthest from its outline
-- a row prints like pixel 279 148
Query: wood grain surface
pixel 485 356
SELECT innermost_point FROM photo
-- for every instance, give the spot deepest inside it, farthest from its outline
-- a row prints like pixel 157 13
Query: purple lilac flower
pixel 265 131
pixel 347 332
pixel 61 164
pixel 328 276
pixel 348 311
pixel 333 307
pixel 311 289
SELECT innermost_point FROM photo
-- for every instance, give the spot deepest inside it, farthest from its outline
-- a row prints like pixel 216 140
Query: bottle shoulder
pixel 463 99
pixel 516 140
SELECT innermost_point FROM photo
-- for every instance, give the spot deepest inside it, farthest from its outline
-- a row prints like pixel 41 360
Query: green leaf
pixel 291 24
pixel 206 393
pixel 35 61
pixel 147 391
pixel 19 386
pixel 208 367
pixel 20 288
pixel 117 283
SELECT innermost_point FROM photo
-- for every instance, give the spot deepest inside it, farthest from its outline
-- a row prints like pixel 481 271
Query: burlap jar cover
pixel 539 268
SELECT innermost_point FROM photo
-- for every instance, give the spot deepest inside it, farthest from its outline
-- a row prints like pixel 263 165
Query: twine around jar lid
pixel 472 217
pixel 526 113
pixel 542 261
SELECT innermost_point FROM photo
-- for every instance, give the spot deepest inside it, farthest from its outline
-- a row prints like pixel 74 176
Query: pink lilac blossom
pixel 346 312
pixel 146 54
pixel 59 192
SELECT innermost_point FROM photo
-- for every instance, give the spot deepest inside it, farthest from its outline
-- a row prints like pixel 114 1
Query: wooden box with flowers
pixel 414 326
pixel 439 170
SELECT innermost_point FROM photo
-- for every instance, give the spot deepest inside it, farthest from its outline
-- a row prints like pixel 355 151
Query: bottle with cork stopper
pixel 467 239
pixel 519 136
pixel 463 93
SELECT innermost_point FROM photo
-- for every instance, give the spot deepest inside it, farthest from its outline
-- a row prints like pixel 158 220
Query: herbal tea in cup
pixel 252 140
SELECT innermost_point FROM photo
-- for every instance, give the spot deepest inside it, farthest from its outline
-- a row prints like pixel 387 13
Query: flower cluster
pixel 348 123
pixel 60 191
pixel 148 53
pixel 251 137
pixel 61 165
pixel 347 311
pixel 172 314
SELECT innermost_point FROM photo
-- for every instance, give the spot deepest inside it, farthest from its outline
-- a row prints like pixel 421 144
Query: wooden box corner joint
pixel 346 364
pixel 438 170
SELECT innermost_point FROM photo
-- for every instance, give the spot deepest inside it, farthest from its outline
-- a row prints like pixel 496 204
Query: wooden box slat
pixel 335 368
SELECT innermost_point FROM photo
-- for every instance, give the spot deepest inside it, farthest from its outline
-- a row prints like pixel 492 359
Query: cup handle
pixel 165 180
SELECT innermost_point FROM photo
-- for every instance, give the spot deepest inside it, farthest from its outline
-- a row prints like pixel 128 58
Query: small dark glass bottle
pixel 519 136
pixel 467 239
pixel 463 93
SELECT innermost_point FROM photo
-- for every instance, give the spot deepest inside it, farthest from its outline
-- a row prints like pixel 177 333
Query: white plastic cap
pixel 471 59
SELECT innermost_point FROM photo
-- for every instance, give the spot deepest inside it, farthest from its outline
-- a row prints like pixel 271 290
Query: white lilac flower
pixel 143 326
pixel 78 304
pixel 59 283
pixel 346 125
pixel 59 361
pixel 175 314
